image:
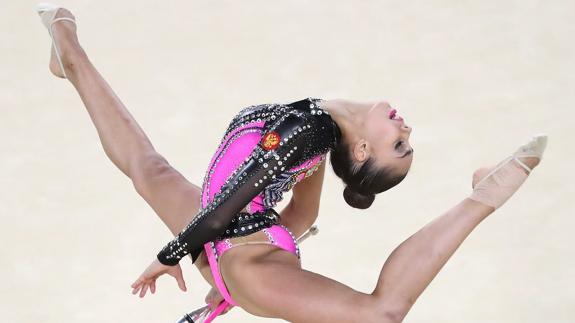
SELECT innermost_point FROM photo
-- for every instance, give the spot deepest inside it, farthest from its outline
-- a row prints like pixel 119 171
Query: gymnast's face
pixel 385 136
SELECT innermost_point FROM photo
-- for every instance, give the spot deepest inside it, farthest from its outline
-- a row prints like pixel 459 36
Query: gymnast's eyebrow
pixel 407 153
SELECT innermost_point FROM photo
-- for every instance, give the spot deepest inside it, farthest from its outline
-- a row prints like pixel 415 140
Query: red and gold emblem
pixel 271 140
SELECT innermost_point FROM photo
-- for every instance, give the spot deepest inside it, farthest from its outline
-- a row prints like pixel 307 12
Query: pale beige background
pixel 473 78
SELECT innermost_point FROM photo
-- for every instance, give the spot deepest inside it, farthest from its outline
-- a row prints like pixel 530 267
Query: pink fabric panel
pixel 216 273
pixel 232 158
pixel 283 238
pixel 222 246
pixel 257 204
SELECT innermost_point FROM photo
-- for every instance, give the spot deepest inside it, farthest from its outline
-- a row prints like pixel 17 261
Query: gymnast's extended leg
pixel 273 285
pixel 172 197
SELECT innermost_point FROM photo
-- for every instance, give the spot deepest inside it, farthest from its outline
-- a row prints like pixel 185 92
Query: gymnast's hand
pixel 214 298
pixel 156 269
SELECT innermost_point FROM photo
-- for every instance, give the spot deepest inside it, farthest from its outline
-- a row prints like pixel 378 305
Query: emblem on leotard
pixel 271 140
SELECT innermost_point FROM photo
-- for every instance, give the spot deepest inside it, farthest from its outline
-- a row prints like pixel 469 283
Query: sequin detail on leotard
pixel 243 174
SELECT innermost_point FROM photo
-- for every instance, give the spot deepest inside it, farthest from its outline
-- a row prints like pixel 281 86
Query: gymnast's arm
pixel 212 221
pixel 298 215
pixel 303 208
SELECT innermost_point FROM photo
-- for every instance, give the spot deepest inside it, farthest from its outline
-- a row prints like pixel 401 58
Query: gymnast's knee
pixel 144 167
pixel 384 310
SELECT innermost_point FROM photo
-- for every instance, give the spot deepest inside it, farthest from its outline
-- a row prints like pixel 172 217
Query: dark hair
pixel 363 181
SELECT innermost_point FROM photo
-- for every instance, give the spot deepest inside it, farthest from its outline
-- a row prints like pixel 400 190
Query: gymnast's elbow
pixel 215 226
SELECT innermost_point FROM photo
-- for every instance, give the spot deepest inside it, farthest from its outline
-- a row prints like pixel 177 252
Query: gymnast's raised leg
pixel 272 284
pixel 124 142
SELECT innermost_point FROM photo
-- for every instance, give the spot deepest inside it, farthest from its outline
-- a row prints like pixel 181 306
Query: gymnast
pixel 243 247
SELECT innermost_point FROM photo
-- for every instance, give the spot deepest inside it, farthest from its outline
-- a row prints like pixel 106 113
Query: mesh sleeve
pixel 280 147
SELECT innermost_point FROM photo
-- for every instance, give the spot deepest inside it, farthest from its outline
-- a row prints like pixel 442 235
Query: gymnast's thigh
pixel 174 199
pixel 269 282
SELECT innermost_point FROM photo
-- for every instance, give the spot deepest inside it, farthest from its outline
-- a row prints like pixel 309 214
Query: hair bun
pixel 356 199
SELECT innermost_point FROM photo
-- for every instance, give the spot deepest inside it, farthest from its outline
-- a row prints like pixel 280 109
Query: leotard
pixel 265 151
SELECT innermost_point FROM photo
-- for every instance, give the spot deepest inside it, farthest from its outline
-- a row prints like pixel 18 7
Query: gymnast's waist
pixel 244 223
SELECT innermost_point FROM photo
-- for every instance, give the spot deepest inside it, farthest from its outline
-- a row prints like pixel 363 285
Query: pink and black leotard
pixel 264 152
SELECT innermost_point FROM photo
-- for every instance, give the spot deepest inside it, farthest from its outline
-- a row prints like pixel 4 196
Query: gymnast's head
pixel 373 153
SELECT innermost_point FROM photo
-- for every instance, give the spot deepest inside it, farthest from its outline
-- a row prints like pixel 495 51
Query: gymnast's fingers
pixel 177 274
pixel 135 290
pixel 136 283
pixel 143 291
pixel 181 283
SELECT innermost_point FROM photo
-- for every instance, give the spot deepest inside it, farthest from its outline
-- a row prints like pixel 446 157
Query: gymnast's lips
pixel 393 115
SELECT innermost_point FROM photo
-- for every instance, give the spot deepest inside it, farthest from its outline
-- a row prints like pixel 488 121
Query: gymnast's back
pixel 265 150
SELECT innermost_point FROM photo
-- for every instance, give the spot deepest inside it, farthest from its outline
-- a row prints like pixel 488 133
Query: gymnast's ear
pixel 360 150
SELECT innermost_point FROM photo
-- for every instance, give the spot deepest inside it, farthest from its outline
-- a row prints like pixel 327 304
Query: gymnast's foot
pixel 494 185
pixel 66 40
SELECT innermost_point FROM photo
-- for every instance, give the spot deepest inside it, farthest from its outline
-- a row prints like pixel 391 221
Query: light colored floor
pixel 473 78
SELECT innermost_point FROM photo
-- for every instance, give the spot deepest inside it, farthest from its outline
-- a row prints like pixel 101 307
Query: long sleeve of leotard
pixel 281 147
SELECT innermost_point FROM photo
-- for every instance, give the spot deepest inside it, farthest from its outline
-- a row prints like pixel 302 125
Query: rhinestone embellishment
pixel 277 161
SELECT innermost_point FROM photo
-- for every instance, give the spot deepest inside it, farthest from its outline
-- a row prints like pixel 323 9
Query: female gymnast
pixel 229 226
